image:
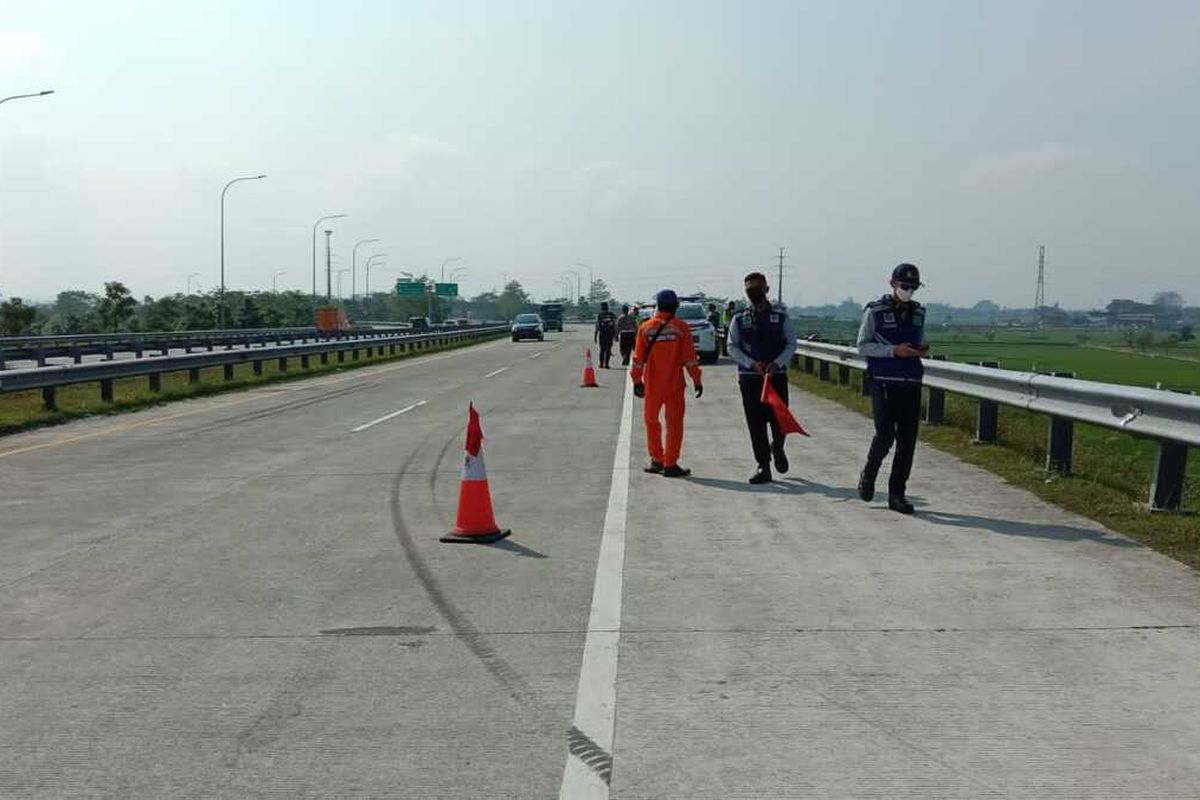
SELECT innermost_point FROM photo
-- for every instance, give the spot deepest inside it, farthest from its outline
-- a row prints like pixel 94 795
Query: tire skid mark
pixel 254 416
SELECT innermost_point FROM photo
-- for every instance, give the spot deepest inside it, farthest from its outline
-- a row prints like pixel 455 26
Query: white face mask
pixel 904 295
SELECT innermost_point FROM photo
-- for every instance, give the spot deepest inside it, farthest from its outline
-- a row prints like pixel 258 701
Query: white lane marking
pixel 386 417
pixel 596 698
pixel 496 372
pixel 538 355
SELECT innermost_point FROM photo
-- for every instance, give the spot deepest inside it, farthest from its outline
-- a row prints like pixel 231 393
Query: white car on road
pixel 695 315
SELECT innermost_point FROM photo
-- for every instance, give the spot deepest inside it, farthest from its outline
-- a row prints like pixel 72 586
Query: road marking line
pixel 538 355
pixel 386 417
pixel 588 772
pixel 252 393
pixel 496 372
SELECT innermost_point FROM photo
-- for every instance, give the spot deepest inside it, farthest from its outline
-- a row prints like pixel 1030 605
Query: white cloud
pixel 1022 164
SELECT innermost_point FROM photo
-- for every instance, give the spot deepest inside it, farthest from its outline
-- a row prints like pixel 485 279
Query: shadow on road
pixel 518 549
pixel 1035 530
pixel 796 486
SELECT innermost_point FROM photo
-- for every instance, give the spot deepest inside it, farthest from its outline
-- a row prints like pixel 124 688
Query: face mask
pixel 904 295
pixel 756 296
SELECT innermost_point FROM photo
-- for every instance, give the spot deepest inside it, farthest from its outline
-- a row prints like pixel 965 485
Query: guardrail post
pixel 39 355
pixel 283 364
pixel 187 346
pixel 155 381
pixel 823 370
pixel 808 364
pixel 106 390
pixel 987 419
pixel 1 359
pixel 935 408
pixel 303 362
pixel 392 350
pixel 50 398
pixel 324 359
pixel 1170 467
pixel 108 353
pixel 166 349
pixel 258 367
pixel 843 375
pixel 354 354
pixel 76 355
pixel 341 356
pixel 1060 439
pixel 228 372
pixel 137 351
pixel 194 375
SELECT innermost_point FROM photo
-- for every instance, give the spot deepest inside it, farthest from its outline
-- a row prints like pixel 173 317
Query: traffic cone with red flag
pixel 476 522
pixel 589 371
pixel 783 415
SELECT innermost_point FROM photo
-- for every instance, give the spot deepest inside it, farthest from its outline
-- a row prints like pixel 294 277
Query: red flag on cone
pixel 783 415
pixel 589 371
pixel 476 522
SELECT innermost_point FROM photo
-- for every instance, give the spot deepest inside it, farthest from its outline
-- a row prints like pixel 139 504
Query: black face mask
pixel 756 296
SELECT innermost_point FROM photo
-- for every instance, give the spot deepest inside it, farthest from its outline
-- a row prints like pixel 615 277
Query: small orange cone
pixel 476 522
pixel 589 371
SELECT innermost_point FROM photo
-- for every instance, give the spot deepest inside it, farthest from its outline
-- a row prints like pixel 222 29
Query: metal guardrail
pixel 1170 418
pixel 75 346
pixel 49 378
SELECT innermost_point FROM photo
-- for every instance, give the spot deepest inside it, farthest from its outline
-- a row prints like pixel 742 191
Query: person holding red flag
pixel 762 342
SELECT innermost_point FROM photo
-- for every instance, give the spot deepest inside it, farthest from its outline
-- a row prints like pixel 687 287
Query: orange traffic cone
pixel 589 371
pixel 476 522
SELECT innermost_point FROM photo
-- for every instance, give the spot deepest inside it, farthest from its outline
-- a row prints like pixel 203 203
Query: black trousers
pixel 897 408
pixel 628 339
pixel 759 415
pixel 606 343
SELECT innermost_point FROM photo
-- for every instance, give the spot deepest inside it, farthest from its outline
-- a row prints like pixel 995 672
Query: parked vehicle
pixel 552 316
pixel 528 326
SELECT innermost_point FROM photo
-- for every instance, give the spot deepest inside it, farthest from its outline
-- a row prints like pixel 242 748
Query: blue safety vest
pixel 761 335
pixel 897 324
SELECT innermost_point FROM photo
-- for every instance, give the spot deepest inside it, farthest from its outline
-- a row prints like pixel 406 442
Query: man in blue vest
pixel 892 339
pixel 762 342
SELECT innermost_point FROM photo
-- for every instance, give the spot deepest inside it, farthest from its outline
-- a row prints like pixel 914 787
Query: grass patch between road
pixel 1110 482
pixel 21 411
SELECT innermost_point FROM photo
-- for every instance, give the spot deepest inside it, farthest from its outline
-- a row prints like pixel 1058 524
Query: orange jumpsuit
pixel 662 375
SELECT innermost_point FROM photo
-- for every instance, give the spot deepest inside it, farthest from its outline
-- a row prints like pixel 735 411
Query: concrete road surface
pixel 244 596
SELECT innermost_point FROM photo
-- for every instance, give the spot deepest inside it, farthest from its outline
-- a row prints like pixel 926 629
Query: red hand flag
pixel 783 415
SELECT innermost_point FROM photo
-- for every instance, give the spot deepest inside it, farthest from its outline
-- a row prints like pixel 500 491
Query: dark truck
pixel 552 316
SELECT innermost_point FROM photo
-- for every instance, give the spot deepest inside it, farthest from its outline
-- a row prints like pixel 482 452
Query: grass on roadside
pixel 1111 472
pixel 23 410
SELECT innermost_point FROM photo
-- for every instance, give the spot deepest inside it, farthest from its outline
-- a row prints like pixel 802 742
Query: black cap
pixel 907 273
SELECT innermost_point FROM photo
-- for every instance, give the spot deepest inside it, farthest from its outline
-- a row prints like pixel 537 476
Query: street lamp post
pixel 273 277
pixel 591 279
pixel 42 93
pixel 447 261
pixel 367 289
pixel 354 265
pixel 578 281
pixel 339 280
pixel 314 252
pixel 223 191
pixel 189 281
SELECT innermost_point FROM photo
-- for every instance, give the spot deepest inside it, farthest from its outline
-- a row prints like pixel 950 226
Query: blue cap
pixel 666 299
pixel 907 273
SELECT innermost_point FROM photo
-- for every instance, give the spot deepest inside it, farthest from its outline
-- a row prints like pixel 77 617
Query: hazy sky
pixel 664 143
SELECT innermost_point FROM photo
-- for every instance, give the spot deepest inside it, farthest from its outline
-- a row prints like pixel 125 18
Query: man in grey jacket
pixel 762 342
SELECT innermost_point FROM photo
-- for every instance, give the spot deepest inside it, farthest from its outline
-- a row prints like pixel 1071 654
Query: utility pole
pixel 328 268
pixel 1040 299
pixel 779 287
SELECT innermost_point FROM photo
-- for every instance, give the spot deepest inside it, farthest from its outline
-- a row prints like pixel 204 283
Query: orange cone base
pixel 454 537
pixel 589 381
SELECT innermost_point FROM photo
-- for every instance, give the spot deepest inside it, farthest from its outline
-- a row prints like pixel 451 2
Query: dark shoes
pixel 654 468
pixel 781 462
pixel 896 502
pixel 866 487
pixel 675 471
pixel 762 476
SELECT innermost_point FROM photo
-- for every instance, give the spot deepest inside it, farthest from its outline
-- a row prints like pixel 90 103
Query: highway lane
pixel 242 596
pixel 162 630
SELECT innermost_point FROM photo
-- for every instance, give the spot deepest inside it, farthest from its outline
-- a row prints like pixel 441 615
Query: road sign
pixel 409 288
pixel 446 289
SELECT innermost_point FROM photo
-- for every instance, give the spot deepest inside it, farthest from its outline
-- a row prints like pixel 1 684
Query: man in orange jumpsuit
pixel 664 349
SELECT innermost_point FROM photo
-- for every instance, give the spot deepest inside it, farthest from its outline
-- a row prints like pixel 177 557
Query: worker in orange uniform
pixel 664 349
